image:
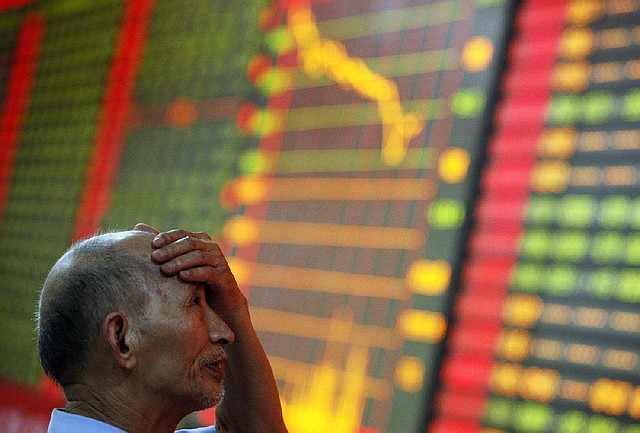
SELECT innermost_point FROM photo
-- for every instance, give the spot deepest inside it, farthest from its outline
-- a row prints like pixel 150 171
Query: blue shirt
pixel 63 422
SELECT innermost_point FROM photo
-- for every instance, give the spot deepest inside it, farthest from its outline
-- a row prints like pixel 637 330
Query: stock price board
pixel 547 322
pixel 432 205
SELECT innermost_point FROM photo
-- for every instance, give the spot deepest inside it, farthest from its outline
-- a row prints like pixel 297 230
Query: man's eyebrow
pixel 192 288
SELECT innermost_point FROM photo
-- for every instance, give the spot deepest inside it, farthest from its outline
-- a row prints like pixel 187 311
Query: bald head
pixel 105 273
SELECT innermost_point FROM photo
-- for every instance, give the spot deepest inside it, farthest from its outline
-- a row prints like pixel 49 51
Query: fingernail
pixel 158 241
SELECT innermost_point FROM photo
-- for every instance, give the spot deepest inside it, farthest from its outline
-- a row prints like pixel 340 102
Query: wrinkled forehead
pixel 140 244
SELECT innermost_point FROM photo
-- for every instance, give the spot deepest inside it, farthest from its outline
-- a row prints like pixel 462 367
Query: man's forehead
pixel 134 241
pixel 140 244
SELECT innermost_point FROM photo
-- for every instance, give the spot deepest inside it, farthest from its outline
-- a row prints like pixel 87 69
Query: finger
pixel 221 289
pixel 146 228
pixel 220 284
pixel 173 262
pixel 173 235
pixel 205 274
pixel 183 246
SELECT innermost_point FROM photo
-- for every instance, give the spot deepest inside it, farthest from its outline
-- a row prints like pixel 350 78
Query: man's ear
pixel 120 339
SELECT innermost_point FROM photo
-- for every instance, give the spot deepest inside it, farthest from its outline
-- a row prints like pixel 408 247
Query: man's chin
pixel 211 398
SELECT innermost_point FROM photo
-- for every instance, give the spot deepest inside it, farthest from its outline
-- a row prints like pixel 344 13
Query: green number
pixel 446 214
pixel 631 106
pixel 634 214
pixel 577 211
pixel 598 107
pixel 279 40
pixel 498 412
pixel 565 109
pixel 572 422
pixel 253 162
pixel 629 290
pixel 532 418
pixel 601 424
pixel 571 246
pixel 468 102
pixel 603 283
pixel 632 256
pixel 614 211
pixel 527 277
pixel 541 210
pixel 561 280
pixel 535 244
pixel 607 247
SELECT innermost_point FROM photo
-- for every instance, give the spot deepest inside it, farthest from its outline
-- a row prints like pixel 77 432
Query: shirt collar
pixel 64 422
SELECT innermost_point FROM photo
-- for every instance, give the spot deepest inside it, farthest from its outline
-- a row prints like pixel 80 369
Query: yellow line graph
pixel 294 373
pixel 330 400
pixel 331 116
pixel 398 65
pixel 391 66
pixel 322 57
pixel 330 396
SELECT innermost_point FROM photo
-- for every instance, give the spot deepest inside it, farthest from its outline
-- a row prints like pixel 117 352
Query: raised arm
pixel 251 403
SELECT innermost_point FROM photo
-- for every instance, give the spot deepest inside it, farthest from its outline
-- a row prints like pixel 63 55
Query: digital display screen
pixel 432 206
pixel 547 321
pixel 354 200
pixel 113 112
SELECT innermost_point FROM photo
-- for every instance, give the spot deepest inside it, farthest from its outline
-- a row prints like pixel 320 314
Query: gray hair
pixel 92 279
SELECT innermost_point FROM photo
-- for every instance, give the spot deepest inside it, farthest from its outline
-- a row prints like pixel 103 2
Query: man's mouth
pixel 215 367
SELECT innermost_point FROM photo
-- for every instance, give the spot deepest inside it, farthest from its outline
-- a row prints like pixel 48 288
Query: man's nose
pixel 219 332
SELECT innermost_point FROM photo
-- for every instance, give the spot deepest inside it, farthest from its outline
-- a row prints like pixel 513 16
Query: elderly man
pixel 140 328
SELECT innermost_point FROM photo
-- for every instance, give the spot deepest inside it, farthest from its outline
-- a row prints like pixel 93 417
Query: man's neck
pixel 133 415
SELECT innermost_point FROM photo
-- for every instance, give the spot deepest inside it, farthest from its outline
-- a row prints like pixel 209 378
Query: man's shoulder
pixel 64 422
pixel 210 429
